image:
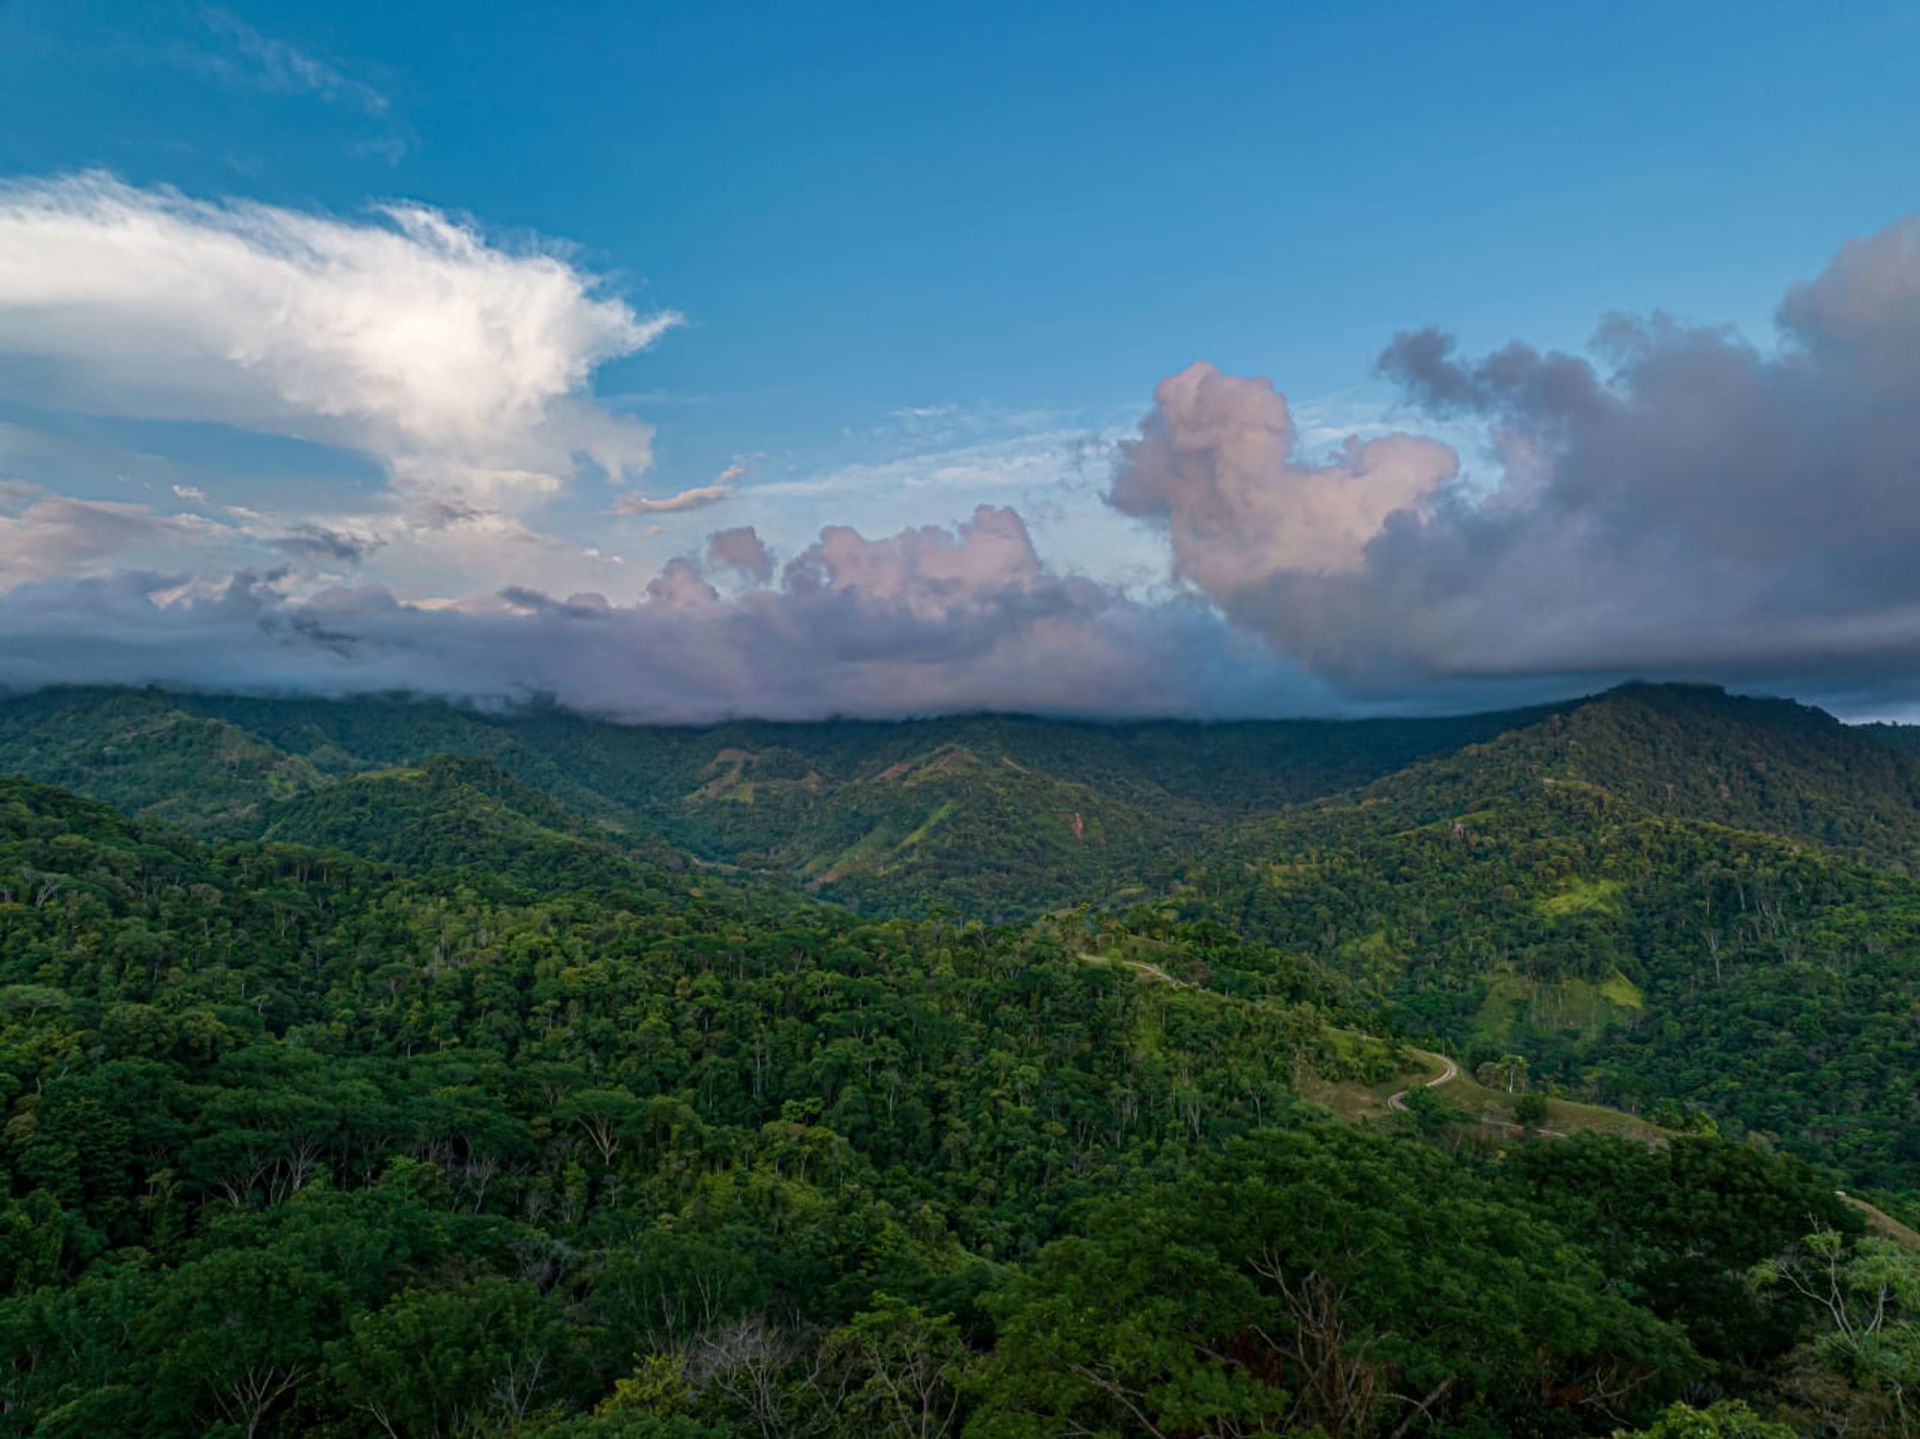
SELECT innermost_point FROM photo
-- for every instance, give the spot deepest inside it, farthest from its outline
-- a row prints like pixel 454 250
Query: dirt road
pixel 1448 1071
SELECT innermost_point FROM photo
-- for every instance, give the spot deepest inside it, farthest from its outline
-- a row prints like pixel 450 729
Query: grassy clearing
pixel 1622 992
pixel 1367 1100
pixel 1495 1107
pixel 1582 896
pixel 859 855
pixel 1513 1004
pixel 1884 1223
pixel 944 809
pixel 1490 1108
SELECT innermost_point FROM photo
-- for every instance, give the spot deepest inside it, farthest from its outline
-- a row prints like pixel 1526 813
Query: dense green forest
pixel 1665 899
pixel 373 1068
pixel 998 816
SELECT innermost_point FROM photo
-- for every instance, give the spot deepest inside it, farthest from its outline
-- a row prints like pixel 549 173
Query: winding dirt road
pixel 1448 1071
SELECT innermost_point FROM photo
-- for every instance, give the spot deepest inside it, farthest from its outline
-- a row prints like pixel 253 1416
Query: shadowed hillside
pixel 998 816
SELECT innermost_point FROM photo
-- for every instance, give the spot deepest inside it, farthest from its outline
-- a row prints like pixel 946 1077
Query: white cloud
pixel 460 366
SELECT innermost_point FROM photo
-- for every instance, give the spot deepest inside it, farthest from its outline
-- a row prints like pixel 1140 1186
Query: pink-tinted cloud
pixel 927 621
pixel 699 497
pixel 1677 503
pixel 680 586
pixel 741 549
pixel 1687 504
pixel 1214 464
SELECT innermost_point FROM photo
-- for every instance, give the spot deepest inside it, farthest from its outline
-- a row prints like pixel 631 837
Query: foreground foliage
pixel 302 1142
pixel 409 1093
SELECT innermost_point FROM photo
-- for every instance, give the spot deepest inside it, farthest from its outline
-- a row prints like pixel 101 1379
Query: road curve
pixel 1448 1071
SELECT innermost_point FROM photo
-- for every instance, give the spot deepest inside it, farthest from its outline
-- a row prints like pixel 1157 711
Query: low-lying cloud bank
pixel 924 622
pixel 1680 504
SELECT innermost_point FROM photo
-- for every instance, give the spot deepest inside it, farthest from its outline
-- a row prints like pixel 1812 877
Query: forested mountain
pixel 389 1069
pixel 1577 892
pixel 1688 752
pixel 997 816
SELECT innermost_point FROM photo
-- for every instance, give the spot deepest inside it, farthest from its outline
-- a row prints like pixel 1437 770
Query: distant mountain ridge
pixel 996 815
pixel 1679 751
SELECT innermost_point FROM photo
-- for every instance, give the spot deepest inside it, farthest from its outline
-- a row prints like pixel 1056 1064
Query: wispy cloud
pixel 277 65
pixel 699 497
pixel 318 543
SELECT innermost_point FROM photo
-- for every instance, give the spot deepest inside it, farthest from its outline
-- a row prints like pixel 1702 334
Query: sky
pixel 680 362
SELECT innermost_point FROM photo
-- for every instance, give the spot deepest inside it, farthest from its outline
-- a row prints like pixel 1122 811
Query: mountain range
pixel 877 1043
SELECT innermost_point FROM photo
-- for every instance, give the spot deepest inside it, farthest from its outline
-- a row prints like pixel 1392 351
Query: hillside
pixel 1657 897
pixel 677 1161
pixel 138 750
pixel 460 814
pixel 989 815
pixel 1691 752
pixel 1554 895
pixel 442 996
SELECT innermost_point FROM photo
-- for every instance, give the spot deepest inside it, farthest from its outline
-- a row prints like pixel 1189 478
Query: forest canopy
pixel 414 1094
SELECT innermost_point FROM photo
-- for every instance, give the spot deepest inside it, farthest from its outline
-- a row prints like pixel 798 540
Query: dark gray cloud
pixel 574 607
pixel 318 544
pixel 1680 503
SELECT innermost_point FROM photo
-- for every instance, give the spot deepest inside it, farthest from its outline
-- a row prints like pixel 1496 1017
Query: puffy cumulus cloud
pixel 1215 464
pixel 459 365
pixel 1678 503
pixel 926 621
pixel 680 586
pixel 740 549
pixel 929 572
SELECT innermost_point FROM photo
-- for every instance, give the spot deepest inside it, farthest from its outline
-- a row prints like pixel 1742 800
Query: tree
pixel 1290 1284
pixel 1729 1419
pixel 1867 1294
pixel 435 1364
pixel 237 1333
pixel 896 1370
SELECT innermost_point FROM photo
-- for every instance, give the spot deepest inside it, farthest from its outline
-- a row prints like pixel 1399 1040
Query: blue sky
pixel 923 260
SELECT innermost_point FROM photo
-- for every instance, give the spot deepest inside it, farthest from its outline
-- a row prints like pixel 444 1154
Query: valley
pixel 726 1076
